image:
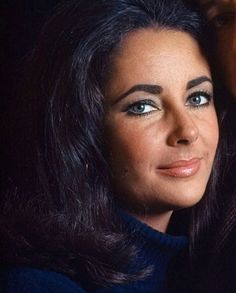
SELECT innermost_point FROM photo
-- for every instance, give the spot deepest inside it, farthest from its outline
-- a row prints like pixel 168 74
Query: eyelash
pixel 148 102
pixel 204 94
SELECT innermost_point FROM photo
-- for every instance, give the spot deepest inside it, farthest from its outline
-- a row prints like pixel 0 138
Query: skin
pixel 222 14
pixel 150 129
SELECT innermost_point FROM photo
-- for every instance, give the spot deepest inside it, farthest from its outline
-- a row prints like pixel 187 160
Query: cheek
pixel 132 148
pixel 211 133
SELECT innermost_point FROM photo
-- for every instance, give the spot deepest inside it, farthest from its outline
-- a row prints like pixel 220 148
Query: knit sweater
pixel 155 249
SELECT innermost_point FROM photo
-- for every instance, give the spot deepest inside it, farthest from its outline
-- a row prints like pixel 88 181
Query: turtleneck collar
pixel 152 236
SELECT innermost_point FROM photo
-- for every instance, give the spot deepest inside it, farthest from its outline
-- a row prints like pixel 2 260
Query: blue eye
pixel 199 99
pixel 143 107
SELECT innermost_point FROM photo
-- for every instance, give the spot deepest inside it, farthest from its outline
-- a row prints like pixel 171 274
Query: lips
pixel 181 168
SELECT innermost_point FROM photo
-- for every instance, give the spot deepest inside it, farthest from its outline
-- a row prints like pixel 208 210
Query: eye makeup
pixel 141 107
pixel 199 99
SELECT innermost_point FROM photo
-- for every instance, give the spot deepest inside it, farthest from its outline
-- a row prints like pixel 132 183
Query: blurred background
pixel 20 23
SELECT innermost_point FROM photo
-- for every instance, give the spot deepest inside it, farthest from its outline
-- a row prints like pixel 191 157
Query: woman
pixel 123 131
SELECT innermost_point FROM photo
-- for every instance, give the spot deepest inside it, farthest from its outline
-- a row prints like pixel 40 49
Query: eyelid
pixel 141 101
pixel 207 94
pixel 147 102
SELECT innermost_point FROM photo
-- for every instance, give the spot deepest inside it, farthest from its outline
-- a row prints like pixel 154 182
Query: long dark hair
pixel 60 214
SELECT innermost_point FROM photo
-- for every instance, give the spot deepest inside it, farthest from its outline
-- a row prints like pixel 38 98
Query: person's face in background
pixel 222 14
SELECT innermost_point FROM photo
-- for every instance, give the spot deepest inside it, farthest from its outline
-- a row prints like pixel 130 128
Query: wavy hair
pixel 61 213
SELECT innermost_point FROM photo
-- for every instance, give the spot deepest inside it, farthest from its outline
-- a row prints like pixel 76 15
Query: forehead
pixel 149 44
pixel 156 57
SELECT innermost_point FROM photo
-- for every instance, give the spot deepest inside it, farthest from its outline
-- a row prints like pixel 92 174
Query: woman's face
pixel 161 124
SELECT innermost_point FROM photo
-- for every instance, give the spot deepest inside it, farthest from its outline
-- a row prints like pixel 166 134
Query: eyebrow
pixel 196 81
pixel 148 88
pixel 157 89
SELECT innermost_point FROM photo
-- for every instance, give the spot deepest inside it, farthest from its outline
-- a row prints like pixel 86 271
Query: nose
pixel 184 130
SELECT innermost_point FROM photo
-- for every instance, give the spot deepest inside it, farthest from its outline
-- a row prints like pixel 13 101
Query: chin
pixel 180 198
pixel 187 200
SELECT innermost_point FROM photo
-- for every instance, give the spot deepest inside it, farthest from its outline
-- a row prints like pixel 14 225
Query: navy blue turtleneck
pixel 156 250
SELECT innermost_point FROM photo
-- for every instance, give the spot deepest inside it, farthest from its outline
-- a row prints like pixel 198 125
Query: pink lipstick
pixel 182 168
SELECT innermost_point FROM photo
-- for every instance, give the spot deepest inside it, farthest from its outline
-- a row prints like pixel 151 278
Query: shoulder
pixel 27 280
